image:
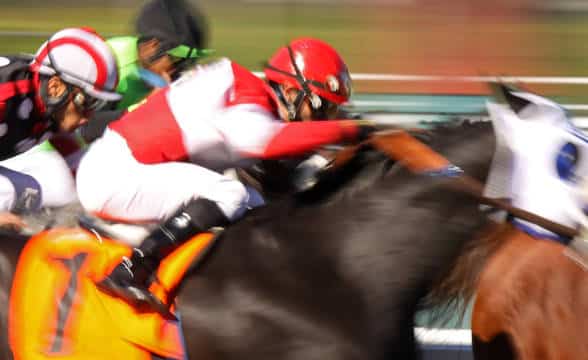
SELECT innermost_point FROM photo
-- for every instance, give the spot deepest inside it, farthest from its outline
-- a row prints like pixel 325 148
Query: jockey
pixel 163 160
pixel 72 75
pixel 171 37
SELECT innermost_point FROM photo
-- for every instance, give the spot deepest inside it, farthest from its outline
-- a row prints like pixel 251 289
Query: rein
pixel 417 157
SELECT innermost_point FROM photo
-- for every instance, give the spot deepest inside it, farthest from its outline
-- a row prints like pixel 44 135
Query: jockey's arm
pixel 257 135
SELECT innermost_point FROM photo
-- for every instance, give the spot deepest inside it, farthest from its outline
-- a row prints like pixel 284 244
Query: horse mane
pixel 360 172
pixel 454 289
pixel 455 286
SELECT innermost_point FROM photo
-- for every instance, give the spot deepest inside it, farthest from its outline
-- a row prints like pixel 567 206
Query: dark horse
pixel 335 273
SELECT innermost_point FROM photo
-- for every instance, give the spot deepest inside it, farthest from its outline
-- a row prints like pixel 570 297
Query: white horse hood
pixel 541 159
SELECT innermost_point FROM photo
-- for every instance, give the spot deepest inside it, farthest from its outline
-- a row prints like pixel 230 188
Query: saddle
pixel 62 314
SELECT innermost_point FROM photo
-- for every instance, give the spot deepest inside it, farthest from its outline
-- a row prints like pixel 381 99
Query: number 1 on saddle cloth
pixel 61 313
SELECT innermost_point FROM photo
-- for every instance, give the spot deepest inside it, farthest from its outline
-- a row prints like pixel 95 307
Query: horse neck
pixel 431 225
pixel 289 262
pixel 455 287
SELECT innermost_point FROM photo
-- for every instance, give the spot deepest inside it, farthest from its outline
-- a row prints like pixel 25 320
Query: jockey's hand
pixel 365 129
pixel 10 221
pixel 306 174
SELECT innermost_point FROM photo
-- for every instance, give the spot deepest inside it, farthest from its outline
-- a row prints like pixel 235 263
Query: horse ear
pixel 516 103
pixel 504 94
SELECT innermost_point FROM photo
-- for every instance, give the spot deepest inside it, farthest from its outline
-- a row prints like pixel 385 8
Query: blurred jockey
pixel 162 161
pixel 72 75
pixel 170 37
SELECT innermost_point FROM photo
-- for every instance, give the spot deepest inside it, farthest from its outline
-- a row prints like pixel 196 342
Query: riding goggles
pixel 87 104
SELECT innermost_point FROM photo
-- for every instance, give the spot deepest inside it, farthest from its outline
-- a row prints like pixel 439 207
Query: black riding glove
pixel 365 129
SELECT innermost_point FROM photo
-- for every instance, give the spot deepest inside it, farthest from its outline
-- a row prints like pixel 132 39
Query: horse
pixel 529 296
pixel 529 292
pixel 531 301
pixel 336 272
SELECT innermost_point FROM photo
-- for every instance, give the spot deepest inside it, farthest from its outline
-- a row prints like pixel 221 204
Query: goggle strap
pixel 308 81
pixel 294 107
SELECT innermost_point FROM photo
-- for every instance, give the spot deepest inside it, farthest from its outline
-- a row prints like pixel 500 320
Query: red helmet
pixel 313 66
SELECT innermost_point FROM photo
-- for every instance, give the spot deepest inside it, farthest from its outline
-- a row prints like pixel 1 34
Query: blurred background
pixel 378 38
pixel 426 37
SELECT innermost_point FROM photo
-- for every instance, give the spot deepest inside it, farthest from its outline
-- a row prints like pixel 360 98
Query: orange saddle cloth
pixel 56 311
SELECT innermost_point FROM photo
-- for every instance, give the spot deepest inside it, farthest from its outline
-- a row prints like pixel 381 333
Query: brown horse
pixel 531 294
pixel 532 301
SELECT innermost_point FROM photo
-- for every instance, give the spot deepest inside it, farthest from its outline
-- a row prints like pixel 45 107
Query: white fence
pixel 574 80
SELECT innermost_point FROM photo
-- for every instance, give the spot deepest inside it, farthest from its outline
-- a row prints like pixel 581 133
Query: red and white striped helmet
pixel 80 57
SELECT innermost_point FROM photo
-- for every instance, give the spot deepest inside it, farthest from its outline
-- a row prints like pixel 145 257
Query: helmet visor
pixel 185 57
pixel 187 52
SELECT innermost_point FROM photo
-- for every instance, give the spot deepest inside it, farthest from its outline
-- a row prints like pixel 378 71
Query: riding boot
pixel 130 280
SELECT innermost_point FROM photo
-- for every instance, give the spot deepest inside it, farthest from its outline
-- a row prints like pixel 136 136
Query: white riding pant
pixel 113 184
pixel 37 178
